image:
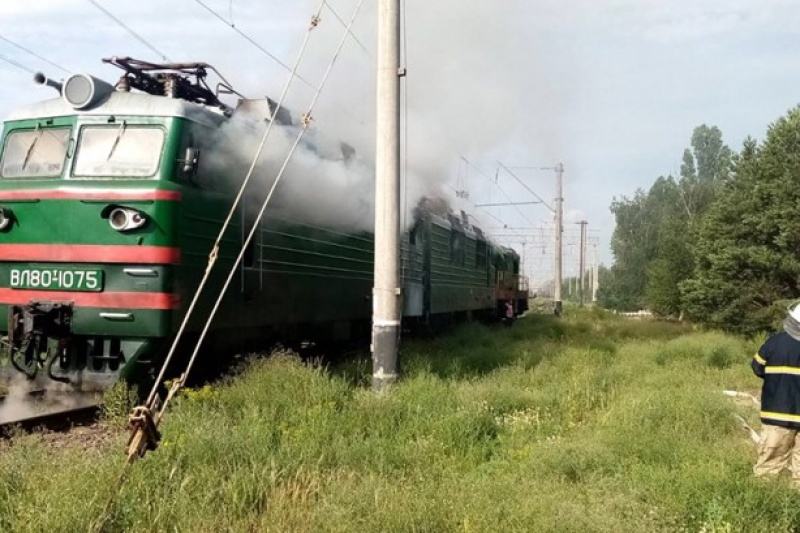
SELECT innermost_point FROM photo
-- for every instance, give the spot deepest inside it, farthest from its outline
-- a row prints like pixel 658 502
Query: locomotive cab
pixel 91 186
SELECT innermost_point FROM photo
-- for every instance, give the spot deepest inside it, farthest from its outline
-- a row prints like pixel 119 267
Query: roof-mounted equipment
pixel 173 80
pixel 41 79
pixel 83 91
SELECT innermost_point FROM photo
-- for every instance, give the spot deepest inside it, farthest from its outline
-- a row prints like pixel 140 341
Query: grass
pixel 588 423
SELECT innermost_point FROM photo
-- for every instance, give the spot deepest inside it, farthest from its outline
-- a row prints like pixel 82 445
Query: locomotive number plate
pixel 57 279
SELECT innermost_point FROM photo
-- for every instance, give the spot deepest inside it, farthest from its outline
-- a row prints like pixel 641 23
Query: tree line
pixel 720 243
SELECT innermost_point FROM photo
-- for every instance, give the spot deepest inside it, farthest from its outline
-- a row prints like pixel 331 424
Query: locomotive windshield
pixel 119 151
pixel 35 153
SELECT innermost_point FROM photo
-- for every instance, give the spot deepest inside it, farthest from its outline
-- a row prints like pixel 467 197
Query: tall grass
pixel 588 423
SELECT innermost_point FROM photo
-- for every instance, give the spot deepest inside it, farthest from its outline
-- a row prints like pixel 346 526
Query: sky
pixel 610 88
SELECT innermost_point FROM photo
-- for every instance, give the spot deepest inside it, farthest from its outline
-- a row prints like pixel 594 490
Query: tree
pixel 706 167
pixel 631 244
pixel 655 231
pixel 748 250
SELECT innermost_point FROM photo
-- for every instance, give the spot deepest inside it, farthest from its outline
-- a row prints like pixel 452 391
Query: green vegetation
pixel 117 403
pixel 656 231
pixel 719 243
pixel 589 423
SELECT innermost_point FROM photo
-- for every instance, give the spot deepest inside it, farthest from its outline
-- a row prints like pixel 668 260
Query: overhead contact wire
pixel 34 54
pixel 482 173
pixel 344 24
pixel 272 56
pixel 252 41
pixel 16 64
pixel 127 28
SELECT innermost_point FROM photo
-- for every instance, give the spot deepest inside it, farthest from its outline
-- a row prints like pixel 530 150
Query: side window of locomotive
pixel 119 150
pixel 37 153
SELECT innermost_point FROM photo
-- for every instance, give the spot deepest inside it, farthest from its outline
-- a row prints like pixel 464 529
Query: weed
pixel 117 402
pixel 585 423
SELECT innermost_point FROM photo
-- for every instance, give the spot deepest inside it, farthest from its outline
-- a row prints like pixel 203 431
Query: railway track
pixel 48 410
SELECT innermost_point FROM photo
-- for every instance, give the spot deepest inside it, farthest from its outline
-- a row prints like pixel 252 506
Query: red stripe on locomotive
pixel 90 194
pixel 106 300
pixel 90 253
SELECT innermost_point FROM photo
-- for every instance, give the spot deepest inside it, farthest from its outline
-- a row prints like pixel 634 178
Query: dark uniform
pixel 778 364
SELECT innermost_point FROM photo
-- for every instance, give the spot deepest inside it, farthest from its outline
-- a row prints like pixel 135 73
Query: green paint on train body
pixel 64 172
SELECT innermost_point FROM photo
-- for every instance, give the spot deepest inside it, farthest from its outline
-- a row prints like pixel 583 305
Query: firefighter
pixel 777 363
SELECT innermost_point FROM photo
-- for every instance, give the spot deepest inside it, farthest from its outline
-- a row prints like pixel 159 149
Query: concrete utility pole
pixel 582 259
pixel 386 294
pixel 557 303
pixel 595 273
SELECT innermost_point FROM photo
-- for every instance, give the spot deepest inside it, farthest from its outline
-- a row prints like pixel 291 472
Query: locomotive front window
pixel 119 151
pixel 35 153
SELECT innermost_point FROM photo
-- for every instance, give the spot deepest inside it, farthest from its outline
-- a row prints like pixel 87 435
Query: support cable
pixel 482 173
pixel 548 206
pixel 307 119
pixel 34 54
pixel 140 440
pixel 213 255
pixel 127 28
pixel 145 426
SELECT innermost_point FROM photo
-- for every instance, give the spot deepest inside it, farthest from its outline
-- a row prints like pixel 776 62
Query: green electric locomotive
pixel 108 212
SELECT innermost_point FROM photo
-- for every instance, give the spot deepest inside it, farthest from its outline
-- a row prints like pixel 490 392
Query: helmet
pixel 794 311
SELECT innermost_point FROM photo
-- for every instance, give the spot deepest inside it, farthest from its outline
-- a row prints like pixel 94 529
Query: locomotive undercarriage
pixel 42 348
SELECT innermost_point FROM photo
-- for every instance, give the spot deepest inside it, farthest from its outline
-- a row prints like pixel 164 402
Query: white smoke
pixel 478 82
pixel 325 182
pixel 21 399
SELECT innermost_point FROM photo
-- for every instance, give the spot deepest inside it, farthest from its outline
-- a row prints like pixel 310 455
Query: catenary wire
pixel 272 56
pixel 16 64
pixel 34 54
pixel 482 173
pixel 344 24
pixel 548 206
pixel 130 30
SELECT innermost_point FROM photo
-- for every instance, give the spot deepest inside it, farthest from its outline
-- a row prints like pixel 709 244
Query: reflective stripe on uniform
pixel 780 416
pixel 760 359
pixel 782 370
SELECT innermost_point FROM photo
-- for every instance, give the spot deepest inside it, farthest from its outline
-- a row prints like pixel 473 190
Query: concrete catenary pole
pixel 595 272
pixel 386 294
pixel 582 267
pixel 557 303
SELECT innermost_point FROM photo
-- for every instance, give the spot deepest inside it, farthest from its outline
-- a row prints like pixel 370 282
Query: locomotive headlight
pixel 125 219
pixel 82 91
pixel 6 217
